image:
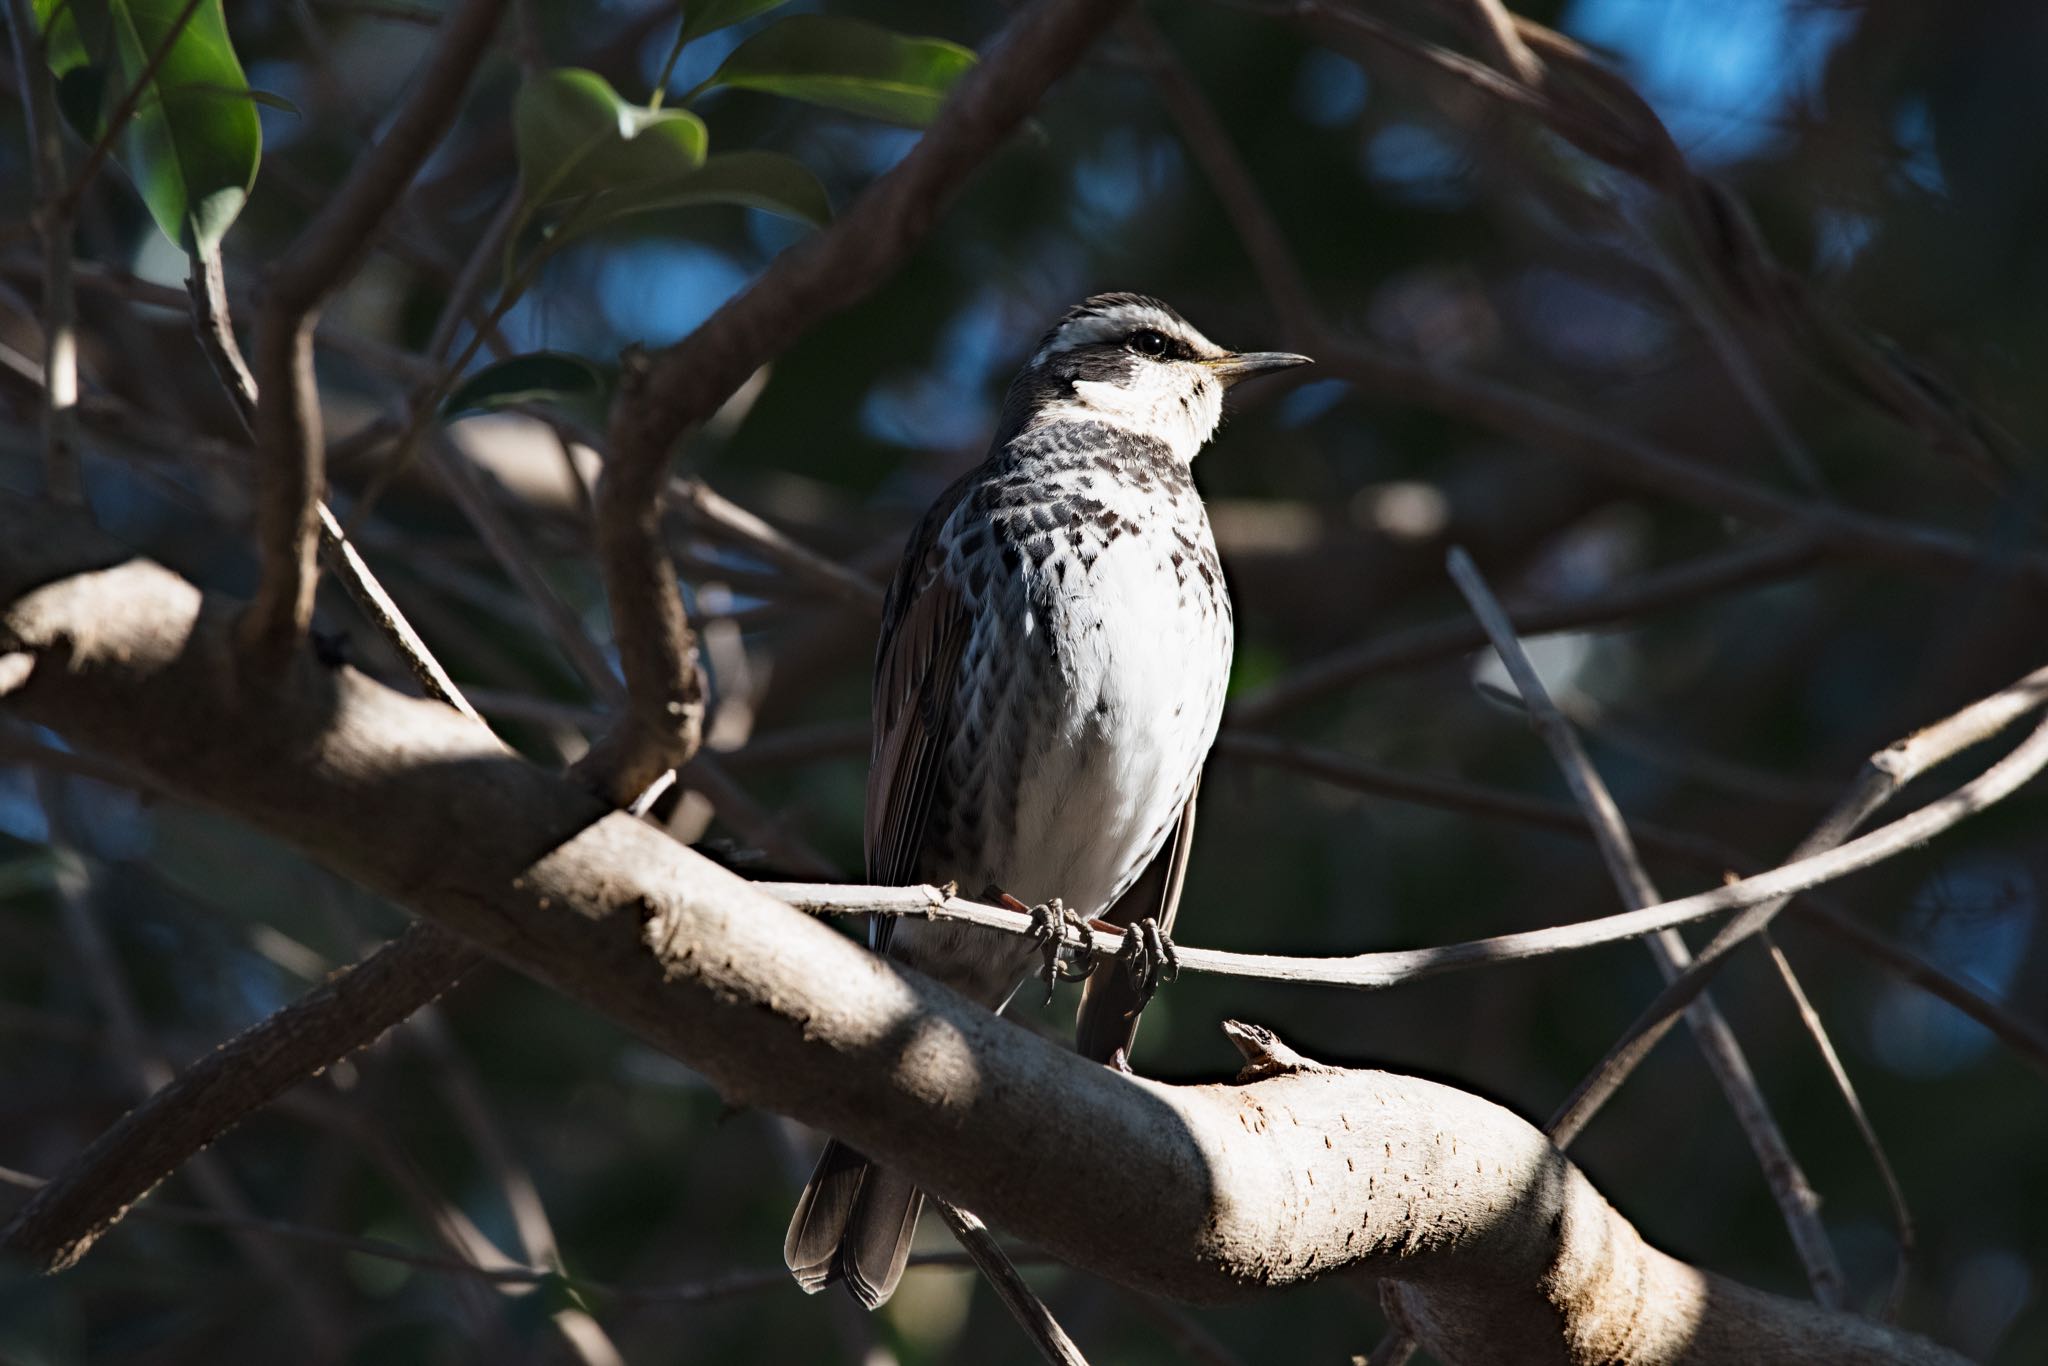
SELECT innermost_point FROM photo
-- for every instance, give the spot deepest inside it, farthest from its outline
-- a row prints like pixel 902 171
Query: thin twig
pixel 662 397
pixel 208 289
pixel 1209 140
pixel 469 281
pixel 138 1055
pixel 1495 29
pixel 53 221
pixel 215 1092
pixel 1375 971
pixel 324 254
pixel 1735 358
pixel 1883 775
pixel 1445 794
pixel 466 485
pixel 376 604
pixel 2027 1039
pixel 1902 1213
pixel 1574 92
pixel 706 774
pixel 1796 1200
pixel 1760 560
pixel 706 505
pixel 579 1329
pixel 1030 1312
pixel 1525 417
pixel 710 1289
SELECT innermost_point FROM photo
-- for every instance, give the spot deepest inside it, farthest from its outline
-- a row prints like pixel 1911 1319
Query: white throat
pixel 1161 404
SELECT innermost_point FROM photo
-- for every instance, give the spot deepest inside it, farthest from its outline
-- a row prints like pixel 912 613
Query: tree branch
pixel 1527 417
pixel 1797 1203
pixel 1370 971
pixel 1217 1191
pixel 663 396
pixel 1559 81
pixel 53 223
pixel 1759 560
pixel 1883 775
pixel 1031 1314
pixel 290 479
pixel 215 1092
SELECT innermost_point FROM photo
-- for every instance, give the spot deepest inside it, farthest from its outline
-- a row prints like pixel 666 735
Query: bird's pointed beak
pixel 1243 365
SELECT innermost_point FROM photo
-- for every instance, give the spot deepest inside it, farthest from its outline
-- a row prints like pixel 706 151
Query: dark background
pixel 1892 155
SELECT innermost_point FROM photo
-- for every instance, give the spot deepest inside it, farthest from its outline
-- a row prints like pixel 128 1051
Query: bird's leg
pixel 1148 958
pixel 1050 922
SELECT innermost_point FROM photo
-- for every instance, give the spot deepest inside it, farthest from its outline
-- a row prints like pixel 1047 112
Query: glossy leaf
pixel 553 377
pixel 757 180
pixel 576 137
pixel 848 64
pixel 194 142
pixel 708 16
pixel 82 99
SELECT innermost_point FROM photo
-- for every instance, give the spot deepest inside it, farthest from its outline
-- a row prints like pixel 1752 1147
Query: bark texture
pixel 1503 1250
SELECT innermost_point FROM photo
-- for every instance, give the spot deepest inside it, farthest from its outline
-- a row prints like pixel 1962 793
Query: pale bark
pixel 1503 1249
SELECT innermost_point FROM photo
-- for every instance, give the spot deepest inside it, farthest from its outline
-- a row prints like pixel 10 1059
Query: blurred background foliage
pixel 1893 155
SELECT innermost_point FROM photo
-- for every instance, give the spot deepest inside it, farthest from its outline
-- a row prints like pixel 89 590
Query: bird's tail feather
pixel 854 1223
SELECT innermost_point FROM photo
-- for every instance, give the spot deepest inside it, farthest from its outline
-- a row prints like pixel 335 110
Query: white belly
pixel 1087 697
pixel 1139 692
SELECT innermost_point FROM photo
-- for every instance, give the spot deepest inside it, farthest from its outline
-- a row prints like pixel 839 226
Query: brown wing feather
pixel 925 628
pixel 1108 1016
pixel 855 1221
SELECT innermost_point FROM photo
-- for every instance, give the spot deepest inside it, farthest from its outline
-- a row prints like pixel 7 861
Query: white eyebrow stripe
pixel 1118 323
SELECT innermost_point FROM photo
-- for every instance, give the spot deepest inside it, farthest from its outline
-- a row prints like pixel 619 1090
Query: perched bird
pixel 1049 679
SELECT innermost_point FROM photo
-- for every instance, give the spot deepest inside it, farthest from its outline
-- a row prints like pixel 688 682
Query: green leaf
pixel 270 99
pixel 72 34
pixel 848 64
pixel 576 136
pixel 757 180
pixel 553 377
pixel 708 16
pixel 82 98
pixel 194 142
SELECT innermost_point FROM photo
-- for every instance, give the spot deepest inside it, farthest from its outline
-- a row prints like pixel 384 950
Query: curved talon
pixel 1149 957
pixel 1169 956
pixel 1049 925
pixel 1085 956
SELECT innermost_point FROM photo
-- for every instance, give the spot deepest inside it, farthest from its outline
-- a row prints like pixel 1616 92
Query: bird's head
pixel 1132 362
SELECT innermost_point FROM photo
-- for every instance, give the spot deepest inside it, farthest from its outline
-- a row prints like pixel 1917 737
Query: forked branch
pixel 1508 1252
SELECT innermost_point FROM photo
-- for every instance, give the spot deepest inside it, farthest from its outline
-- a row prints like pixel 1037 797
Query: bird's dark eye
pixel 1146 342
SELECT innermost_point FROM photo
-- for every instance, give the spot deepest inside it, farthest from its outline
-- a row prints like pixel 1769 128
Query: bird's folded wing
pixel 925 629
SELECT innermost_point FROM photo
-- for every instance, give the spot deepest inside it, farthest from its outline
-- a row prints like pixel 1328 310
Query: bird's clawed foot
pixel 1149 958
pixel 1049 925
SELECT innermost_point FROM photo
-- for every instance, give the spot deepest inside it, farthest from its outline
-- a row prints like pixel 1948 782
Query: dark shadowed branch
pixel 664 395
pixel 53 223
pixel 1797 1203
pixel 1510 1259
pixel 1026 1307
pixel 289 441
pixel 1883 775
